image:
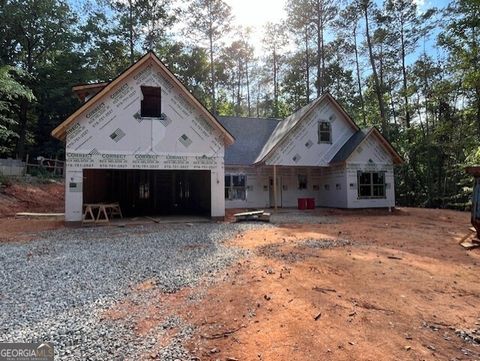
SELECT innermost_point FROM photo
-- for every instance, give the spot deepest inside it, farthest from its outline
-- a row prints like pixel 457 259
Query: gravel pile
pixel 300 217
pixel 299 251
pixel 56 288
pixel 324 243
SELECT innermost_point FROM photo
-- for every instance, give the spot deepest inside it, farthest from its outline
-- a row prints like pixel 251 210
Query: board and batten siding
pixel 111 134
pixel 326 185
pixel 370 156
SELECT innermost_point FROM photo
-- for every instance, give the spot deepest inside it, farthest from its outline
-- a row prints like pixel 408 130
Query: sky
pixel 256 13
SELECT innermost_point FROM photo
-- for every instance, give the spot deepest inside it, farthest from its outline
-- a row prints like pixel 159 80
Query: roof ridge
pixel 242 117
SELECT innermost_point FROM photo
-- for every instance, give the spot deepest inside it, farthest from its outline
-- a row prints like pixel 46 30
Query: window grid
pixel 371 185
pixel 324 132
pixel 235 187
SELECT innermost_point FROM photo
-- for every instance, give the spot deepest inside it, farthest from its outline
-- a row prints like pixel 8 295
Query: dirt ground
pixel 29 197
pixel 372 285
pixel 381 286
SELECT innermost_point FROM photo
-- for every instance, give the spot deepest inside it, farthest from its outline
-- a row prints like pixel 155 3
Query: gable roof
pixel 250 136
pixel 288 124
pixel 84 90
pixel 350 145
pixel 357 139
pixel 60 131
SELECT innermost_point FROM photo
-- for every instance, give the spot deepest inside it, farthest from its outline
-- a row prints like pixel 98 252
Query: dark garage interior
pixel 150 192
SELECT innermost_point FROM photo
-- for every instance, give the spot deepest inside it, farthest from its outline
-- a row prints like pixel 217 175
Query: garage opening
pixel 150 192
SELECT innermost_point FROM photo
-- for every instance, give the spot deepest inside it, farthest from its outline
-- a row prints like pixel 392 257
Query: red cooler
pixel 310 203
pixel 302 203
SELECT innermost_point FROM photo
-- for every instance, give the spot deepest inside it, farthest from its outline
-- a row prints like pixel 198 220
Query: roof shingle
pixel 250 134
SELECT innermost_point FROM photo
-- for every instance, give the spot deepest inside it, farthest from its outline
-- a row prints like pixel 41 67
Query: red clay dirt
pixel 399 291
pixel 27 197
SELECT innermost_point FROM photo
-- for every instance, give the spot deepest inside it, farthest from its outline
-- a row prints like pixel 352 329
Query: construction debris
pixel 324 290
pixel 252 216
pixel 39 215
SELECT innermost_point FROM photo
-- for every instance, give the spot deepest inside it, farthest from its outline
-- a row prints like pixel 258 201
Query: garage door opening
pixel 150 192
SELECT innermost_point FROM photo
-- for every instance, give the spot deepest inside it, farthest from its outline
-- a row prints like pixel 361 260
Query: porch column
pixel 275 187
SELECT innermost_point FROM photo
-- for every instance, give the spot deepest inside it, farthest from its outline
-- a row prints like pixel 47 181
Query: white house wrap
pixel 173 161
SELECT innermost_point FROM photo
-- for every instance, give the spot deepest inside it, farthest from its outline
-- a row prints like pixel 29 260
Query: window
pixel 235 187
pixel 371 184
pixel 151 105
pixel 324 132
pixel 302 181
pixel 144 191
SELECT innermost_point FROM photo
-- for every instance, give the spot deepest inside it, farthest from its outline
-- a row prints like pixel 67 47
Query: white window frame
pixel 233 190
pixel 298 181
pixel 323 132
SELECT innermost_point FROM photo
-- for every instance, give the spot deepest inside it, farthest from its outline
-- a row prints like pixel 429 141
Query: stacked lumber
pixel 252 216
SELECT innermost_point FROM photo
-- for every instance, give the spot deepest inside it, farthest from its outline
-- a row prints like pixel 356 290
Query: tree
pixel 366 7
pixel 38 27
pixel 189 64
pixel 322 12
pixel 462 42
pixel 274 41
pixel 106 55
pixel 299 23
pixel 210 20
pixel 10 92
pixel 405 28
pixel 347 27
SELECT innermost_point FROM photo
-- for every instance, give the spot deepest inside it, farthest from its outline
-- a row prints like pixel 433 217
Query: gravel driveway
pixel 56 288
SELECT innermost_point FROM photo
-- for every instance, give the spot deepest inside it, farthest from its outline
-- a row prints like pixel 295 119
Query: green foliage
pixel 11 90
pixel 427 104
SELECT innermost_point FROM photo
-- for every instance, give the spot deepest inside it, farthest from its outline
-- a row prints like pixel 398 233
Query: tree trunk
pixel 319 41
pixel 392 105
pixel 275 85
pixel 130 28
pixel 23 111
pixel 378 88
pixel 404 75
pixel 239 94
pixel 322 86
pixel 22 129
pixel 248 88
pixel 359 79
pixel 307 67
pixel 477 93
pixel 212 70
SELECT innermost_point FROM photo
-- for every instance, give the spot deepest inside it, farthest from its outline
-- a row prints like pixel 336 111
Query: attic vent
pixel 151 105
pixel 117 135
pixel 185 140
pixel 296 158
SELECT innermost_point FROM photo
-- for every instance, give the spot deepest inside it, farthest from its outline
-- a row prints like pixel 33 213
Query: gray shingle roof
pixel 250 134
pixel 350 145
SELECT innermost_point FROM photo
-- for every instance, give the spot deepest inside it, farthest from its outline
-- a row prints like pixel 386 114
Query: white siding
pixel 257 179
pixel 148 143
pixel 288 193
pixel 370 156
pixel 300 147
pixel 333 187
